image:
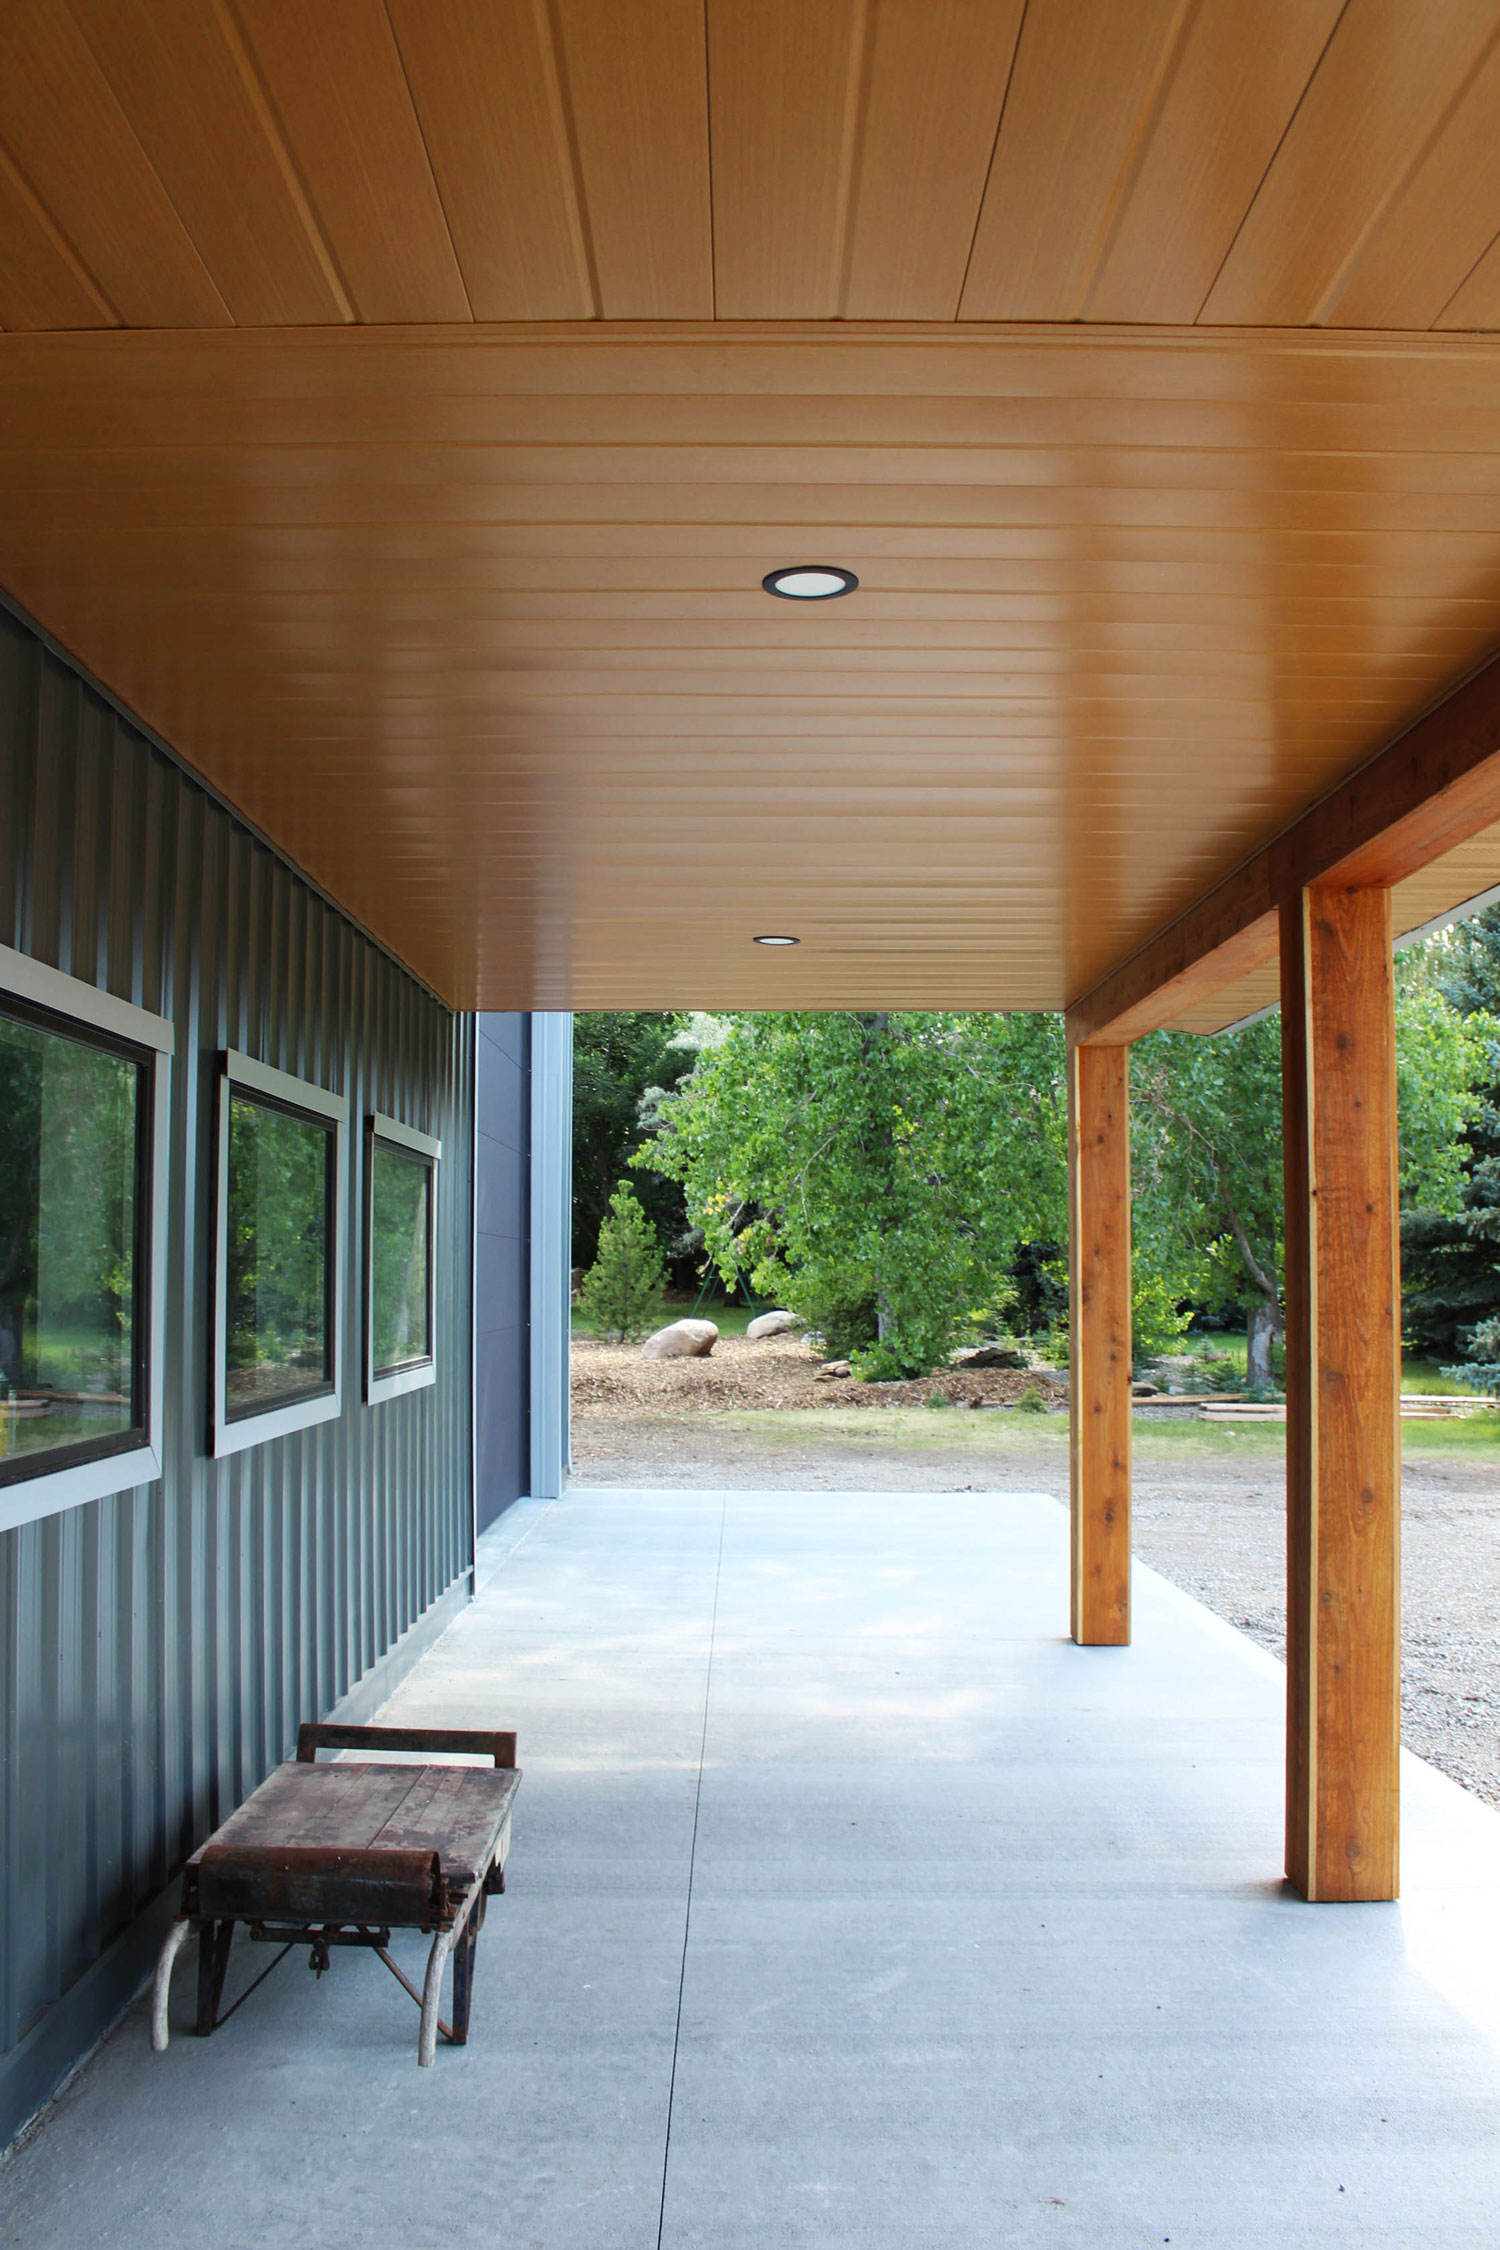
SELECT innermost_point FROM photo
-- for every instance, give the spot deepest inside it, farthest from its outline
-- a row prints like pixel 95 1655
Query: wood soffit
pixel 470 622
pixel 403 401
pixel 204 163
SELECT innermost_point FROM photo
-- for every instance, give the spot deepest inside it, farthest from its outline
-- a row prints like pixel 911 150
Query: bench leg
pixel 214 1941
pixel 463 1979
pixel 432 1992
pixel 161 1990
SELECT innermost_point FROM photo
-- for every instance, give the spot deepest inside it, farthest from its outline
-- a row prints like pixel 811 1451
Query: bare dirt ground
pixel 779 1372
pixel 1208 1502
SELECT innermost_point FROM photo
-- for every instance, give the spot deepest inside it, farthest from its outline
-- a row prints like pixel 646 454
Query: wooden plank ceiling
pixel 1134 353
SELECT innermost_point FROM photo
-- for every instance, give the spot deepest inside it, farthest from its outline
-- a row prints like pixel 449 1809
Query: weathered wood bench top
pixel 456 1811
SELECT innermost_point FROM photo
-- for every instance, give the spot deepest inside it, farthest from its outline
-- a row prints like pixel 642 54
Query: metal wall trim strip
pixel 551 1241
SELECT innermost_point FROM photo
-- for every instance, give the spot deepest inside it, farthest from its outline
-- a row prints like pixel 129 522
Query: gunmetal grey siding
pixel 158 1648
pixel 502 1163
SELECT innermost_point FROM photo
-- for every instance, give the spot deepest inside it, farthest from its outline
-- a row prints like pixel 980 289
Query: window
pixel 400 1207
pixel 83 1095
pixel 280 1249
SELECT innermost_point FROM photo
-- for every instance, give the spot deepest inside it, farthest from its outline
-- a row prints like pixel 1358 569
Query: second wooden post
pixel 1343 1341
pixel 1099 1324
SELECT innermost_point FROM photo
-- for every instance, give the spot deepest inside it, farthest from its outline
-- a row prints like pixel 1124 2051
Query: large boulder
pixel 988 1355
pixel 684 1339
pixel 771 1324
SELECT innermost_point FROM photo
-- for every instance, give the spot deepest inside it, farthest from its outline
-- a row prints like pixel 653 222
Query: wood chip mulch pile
pixel 782 1372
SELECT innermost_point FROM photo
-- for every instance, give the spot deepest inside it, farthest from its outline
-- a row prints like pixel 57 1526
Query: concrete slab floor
pixel 851 1906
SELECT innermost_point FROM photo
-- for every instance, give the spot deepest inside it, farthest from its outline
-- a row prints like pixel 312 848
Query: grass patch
pixel 1474 1434
pixel 907 1429
pixel 1225 1344
pixel 916 1429
pixel 1426 1375
pixel 1416 1374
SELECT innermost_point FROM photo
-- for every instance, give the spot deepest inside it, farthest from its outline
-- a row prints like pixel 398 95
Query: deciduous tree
pixel 875 1172
pixel 1207 1151
pixel 1450 1258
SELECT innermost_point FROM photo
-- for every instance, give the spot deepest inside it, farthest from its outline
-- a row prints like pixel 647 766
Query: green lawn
pixel 1426 1375
pixel 924 1429
pixel 1416 1374
pixel 1228 1346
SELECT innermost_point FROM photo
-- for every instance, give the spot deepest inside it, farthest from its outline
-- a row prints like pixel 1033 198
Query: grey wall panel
pixel 502 1437
pixel 502 1160
pixel 158 1648
pixel 501 1188
pixel 500 1295
pixel 503 1078
pixel 508 1034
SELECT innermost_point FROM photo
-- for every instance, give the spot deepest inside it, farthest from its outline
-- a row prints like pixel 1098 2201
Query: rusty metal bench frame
pixel 321 1894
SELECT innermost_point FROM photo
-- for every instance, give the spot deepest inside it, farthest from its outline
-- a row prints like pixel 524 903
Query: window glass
pixel 278 1333
pixel 400 1231
pixel 72 1123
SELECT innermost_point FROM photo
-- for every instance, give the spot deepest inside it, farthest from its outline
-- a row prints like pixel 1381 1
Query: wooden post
pixel 1343 1341
pixel 1099 1326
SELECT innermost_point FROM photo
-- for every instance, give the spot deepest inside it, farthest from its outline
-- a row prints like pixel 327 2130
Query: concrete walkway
pixel 850 1905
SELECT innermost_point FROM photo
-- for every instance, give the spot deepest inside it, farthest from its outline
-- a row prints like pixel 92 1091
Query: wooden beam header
pixel 1426 793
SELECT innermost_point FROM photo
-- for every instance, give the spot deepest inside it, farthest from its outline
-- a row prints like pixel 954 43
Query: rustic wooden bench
pixel 325 1855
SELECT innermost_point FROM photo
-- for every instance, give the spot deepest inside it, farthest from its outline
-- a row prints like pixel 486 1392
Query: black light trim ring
pixel 772 938
pixel 773 582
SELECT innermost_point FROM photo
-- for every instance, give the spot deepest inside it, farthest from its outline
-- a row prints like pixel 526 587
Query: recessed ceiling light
pixel 773 940
pixel 809 582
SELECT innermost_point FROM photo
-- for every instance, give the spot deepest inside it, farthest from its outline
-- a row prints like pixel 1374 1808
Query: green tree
pixel 620 1058
pixel 400 1214
pixel 1450 1260
pixel 875 1172
pixel 899 1178
pixel 276 1236
pixel 1207 1152
pixel 1206 1172
pixel 67 1210
pixel 621 1292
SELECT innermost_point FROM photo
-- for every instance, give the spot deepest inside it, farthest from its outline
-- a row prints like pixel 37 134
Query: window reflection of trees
pixel 400 1226
pixel 69 1214
pixel 277 1340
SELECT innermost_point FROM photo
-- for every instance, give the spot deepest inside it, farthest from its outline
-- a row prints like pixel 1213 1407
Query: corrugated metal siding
pixel 157 1649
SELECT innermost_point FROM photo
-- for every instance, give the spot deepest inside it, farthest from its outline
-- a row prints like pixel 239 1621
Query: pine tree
pixel 620 1059
pixel 1450 1267
pixel 621 1293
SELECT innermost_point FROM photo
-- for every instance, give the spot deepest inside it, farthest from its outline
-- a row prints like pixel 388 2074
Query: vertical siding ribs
pixel 158 1648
